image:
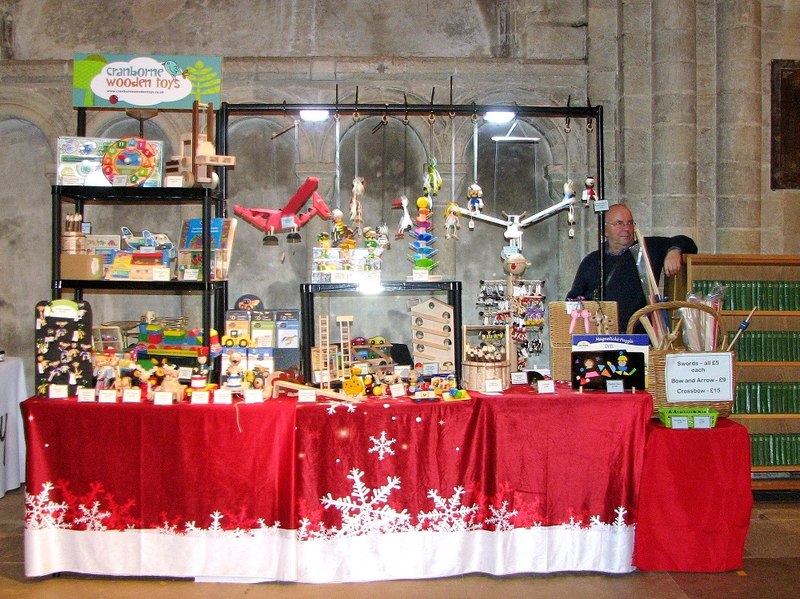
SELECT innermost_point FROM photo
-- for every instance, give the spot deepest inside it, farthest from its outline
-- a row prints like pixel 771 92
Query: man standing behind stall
pixel 621 275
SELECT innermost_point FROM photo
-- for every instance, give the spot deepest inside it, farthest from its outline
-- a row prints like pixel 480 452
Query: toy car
pixel 378 341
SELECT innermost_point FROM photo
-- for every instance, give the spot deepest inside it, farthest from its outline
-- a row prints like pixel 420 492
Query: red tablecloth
pixel 695 499
pixel 335 492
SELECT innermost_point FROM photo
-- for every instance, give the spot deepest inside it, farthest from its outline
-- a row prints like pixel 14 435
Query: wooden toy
pixel 432 328
pixel 287 219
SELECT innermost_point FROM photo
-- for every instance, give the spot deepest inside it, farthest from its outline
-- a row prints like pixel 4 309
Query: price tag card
pixel 162 398
pixel 199 397
pixel 223 396
pixel 615 386
pixel 107 396
pixel 86 394
pixel 58 391
pixel 420 274
pixel 702 421
pixel 494 386
pixel 430 368
pixel 307 395
pixel 131 396
pixel 185 373
pixel 680 422
pixel 402 370
pixel 397 390
pixel 601 205
pixel 546 386
pixel 519 378
pixel 162 273
pixel 191 274
pixel 253 396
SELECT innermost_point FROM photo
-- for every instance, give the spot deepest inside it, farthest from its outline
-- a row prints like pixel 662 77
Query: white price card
pixel 701 377
pixel 397 390
pixel 191 274
pixel 702 421
pixel 58 391
pixel 162 398
pixel 253 396
pixel 519 378
pixel 107 396
pixel 546 386
pixel 86 394
pixel 307 395
pixel 132 396
pixel 494 386
pixel 679 422
pixel 615 386
pixel 223 396
pixel 199 397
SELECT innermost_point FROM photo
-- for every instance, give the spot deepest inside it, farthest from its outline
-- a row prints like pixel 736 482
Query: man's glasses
pixel 617 224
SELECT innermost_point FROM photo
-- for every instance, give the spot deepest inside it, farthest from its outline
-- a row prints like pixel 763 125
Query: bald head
pixel 619 228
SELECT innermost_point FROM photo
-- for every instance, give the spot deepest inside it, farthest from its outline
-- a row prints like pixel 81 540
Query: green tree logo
pixel 205 80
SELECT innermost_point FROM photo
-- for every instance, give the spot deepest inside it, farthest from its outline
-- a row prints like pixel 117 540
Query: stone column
pixel 738 126
pixel 674 166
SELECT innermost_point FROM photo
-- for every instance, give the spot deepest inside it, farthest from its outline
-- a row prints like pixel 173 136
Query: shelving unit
pixel 767 369
pixel 214 292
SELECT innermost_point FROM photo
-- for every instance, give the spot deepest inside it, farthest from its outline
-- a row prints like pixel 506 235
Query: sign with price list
pixel 704 376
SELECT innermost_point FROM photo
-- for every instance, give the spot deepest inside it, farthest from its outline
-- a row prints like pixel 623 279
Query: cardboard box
pixel 88 267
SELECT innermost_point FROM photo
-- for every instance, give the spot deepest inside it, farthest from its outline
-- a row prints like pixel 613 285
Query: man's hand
pixel 672 262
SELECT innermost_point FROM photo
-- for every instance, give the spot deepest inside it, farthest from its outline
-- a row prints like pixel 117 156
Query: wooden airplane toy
pixel 287 219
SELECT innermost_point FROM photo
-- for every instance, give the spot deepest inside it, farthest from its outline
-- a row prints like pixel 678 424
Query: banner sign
pixel 132 81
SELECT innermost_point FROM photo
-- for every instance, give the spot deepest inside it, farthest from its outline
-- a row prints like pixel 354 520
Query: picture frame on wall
pixel 785 124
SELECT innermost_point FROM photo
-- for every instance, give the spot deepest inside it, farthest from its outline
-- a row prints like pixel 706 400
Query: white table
pixel 12 440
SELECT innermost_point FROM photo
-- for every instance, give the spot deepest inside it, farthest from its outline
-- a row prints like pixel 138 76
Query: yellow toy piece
pixel 353 386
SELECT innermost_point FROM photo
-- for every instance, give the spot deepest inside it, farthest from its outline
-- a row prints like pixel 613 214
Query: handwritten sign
pixel 699 377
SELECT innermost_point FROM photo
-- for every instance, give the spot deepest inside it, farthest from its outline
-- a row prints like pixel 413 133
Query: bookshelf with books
pixel 767 397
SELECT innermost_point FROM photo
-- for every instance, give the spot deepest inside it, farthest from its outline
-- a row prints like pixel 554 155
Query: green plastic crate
pixel 666 415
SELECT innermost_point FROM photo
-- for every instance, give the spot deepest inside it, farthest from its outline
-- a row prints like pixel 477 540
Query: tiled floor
pixel 771 571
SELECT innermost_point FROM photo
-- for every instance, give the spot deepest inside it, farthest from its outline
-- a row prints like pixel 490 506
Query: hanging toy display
pixel 356 215
pixel 405 220
pixel 569 195
pixel 432 182
pixel 589 195
pixel 519 303
pixel 452 222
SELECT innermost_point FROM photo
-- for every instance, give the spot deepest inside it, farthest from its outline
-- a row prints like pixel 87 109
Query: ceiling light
pixel 314 115
pixel 499 116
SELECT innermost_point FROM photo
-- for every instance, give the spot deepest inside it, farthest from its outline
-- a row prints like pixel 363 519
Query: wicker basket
pixel 475 374
pixel 561 338
pixel 657 358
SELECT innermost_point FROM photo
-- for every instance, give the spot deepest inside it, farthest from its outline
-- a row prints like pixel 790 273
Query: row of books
pixel 767 346
pixel 775 449
pixel 767 398
pixel 745 295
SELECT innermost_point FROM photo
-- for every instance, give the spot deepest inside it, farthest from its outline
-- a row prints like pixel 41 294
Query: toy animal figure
pixel 171 384
pixel 356 216
pixel 405 220
pixel 452 222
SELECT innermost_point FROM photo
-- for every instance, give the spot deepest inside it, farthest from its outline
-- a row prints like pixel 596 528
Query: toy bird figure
pixel 356 216
pixel 405 220
pixel 432 182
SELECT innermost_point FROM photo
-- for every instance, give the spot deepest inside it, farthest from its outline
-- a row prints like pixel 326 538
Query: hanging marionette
pixel 589 194
pixel 432 182
pixel 452 222
pixel 356 216
pixel 569 194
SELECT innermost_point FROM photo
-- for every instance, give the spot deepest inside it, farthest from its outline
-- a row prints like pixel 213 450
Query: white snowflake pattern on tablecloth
pixel 365 510
pixel 501 518
pixel 41 512
pixel 448 514
pixel 381 445
pixel 91 517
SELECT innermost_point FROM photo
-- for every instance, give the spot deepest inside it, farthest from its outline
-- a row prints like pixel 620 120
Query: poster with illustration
pixel 597 359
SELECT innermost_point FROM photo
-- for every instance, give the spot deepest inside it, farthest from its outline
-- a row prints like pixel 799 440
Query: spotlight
pixel 314 115
pixel 499 116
